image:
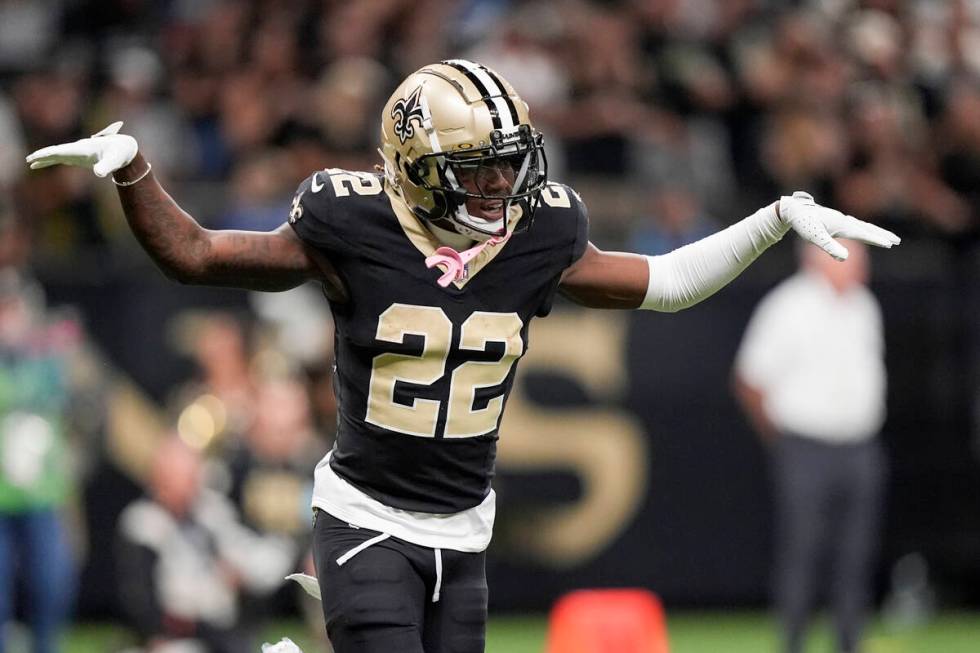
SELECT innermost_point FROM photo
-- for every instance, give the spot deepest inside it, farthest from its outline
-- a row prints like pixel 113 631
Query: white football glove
pixel 284 645
pixel 106 152
pixel 821 225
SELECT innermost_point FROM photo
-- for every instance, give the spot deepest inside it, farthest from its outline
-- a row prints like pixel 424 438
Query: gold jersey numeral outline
pixel 420 418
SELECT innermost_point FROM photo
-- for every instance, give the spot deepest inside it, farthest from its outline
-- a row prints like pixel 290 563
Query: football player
pixel 434 267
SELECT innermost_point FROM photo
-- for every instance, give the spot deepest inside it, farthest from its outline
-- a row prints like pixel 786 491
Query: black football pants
pixel 385 595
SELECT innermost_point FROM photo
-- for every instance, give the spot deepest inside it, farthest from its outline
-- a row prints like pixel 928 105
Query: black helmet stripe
pixel 481 89
pixel 492 92
pixel 503 93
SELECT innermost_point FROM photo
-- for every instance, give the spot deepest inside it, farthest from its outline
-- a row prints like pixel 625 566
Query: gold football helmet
pixel 450 133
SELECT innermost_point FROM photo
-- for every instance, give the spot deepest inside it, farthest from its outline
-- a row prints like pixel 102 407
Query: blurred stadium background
pixel 624 461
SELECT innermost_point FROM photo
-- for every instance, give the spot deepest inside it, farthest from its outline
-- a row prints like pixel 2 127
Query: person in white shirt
pixel 821 422
pixel 186 564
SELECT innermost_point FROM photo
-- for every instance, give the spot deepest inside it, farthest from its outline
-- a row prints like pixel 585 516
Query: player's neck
pixel 459 242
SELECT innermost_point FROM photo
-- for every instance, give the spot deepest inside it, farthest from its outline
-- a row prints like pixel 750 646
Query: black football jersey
pixel 423 372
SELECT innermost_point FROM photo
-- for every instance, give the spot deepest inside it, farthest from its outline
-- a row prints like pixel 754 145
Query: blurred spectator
pixel 820 422
pixel 136 75
pixel 675 219
pixel 359 29
pixel 225 386
pixel 249 115
pixel 605 108
pixel 802 149
pixel 35 458
pixel 27 30
pixel 49 104
pixel 747 95
pixel 272 474
pixel 891 175
pixel 260 194
pixel 302 331
pixel 526 49
pixel 12 154
pixel 271 477
pixel 959 145
pixel 345 102
pixel 185 561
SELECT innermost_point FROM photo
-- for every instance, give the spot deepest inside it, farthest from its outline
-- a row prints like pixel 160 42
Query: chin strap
pixel 455 262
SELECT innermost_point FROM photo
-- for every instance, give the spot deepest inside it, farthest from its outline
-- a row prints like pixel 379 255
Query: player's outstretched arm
pixel 688 275
pixel 188 253
pixel 185 251
pixel 606 279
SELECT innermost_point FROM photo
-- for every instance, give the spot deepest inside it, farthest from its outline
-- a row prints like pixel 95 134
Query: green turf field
pixel 741 632
pixel 752 633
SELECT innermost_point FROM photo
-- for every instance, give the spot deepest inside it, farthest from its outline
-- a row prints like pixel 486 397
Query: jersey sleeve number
pixel 361 183
pixel 555 196
pixel 421 417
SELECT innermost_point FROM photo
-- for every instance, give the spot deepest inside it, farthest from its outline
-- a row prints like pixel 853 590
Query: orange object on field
pixel 608 621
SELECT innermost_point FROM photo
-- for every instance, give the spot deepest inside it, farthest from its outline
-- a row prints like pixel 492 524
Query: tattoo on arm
pixel 258 261
pixel 188 253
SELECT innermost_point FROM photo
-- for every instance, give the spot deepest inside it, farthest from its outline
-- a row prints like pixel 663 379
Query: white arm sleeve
pixel 695 272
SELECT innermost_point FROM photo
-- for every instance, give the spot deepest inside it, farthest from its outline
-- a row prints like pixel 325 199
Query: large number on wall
pixel 420 418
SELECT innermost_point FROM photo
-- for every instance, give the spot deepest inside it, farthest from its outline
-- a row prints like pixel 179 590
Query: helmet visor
pixel 511 170
pixel 489 177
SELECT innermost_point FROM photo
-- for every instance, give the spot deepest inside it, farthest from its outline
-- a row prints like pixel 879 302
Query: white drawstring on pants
pixel 435 591
pixel 384 536
pixel 360 547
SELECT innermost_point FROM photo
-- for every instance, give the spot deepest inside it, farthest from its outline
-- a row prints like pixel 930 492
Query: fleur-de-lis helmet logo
pixel 405 112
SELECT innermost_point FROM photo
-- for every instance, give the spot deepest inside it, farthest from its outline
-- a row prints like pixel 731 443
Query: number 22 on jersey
pixel 421 417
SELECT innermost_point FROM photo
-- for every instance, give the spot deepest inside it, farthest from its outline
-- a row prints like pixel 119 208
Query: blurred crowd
pixel 672 117
pixel 699 109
